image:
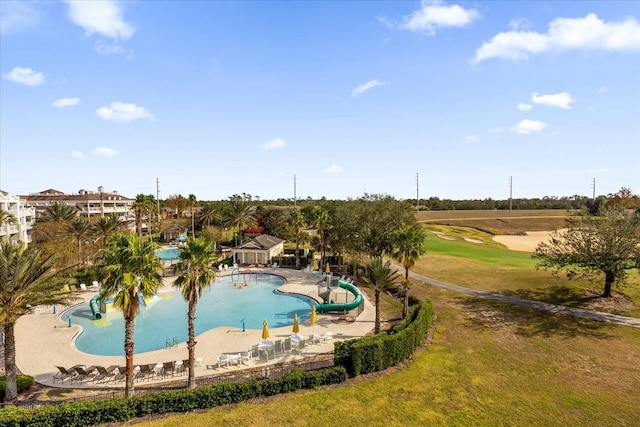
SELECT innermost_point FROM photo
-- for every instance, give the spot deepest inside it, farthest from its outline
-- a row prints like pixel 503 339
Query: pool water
pixel 165 315
pixel 168 254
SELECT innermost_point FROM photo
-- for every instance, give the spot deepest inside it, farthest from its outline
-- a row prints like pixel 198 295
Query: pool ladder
pixel 171 342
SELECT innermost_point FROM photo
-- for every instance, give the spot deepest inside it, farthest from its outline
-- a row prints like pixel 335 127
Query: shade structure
pixel 265 330
pixel 296 326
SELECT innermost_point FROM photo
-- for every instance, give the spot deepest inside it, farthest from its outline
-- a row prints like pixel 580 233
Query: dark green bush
pixel 23 382
pixel 370 354
pixel 119 410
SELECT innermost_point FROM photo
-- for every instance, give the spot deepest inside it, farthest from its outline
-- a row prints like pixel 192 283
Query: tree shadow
pixel 529 322
pixel 560 295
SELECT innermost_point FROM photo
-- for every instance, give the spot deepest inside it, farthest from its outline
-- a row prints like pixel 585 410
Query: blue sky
pixel 222 98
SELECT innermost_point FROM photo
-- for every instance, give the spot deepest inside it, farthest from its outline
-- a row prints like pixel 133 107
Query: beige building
pixel 259 250
pixel 18 227
pixel 88 203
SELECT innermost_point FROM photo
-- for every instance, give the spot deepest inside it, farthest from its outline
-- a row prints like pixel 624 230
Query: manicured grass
pixel 488 364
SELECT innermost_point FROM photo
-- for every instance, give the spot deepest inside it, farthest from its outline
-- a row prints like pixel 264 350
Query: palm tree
pixel 128 268
pixel 322 220
pixel 409 245
pixel 192 204
pixel 241 214
pixel 194 267
pixel 59 212
pixel 79 228
pixel 105 226
pixel 144 206
pixel 208 213
pixel 378 276
pixel 296 221
pixel 28 278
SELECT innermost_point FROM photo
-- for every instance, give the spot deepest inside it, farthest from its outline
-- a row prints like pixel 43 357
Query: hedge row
pixel 364 355
pixel 23 382
pixel 123 409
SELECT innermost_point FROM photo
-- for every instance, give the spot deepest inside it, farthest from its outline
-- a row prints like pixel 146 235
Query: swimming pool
pixel 165 315
pixel 168 254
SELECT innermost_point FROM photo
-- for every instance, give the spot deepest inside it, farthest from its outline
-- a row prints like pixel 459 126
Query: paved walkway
pixel 539 305
pixel 43 341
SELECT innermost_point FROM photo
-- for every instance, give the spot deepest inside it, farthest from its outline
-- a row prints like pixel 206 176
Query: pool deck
pixel 43 341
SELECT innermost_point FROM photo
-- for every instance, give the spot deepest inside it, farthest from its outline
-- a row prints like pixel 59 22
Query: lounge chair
pixel 148 371
pixel 287 344
pixel 94 286
pixel 64 373
pixel 223 359
pixel 83 287
pixel 168 367
pixel 278 347
pixel 82 375
pixel 104 374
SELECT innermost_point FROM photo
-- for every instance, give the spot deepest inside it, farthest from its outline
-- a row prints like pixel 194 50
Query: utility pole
pixel 158 196
pixel 593 186
pixel 510 193
pixel 417 193
pixel 295 196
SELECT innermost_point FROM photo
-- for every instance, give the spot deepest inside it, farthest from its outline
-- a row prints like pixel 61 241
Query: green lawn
pixel 488 364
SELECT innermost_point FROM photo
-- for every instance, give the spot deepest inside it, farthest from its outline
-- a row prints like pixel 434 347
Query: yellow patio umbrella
pixel 327 268
pixel 315 265
pixel 296 327
pixel 265 330
pixel 314 317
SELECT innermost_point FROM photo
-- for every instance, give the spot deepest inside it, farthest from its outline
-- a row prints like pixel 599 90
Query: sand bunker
pixel 468 239
pixel 443 235
pixel 525 243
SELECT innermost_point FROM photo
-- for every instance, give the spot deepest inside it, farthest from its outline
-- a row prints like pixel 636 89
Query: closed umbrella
pixel 265 330
pixel 296 327
pixel 328 268
pixel 314 317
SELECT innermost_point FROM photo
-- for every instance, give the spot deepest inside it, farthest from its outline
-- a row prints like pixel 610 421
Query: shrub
pixel 24 383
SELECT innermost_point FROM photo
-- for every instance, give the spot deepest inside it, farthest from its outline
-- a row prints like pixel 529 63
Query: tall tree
pixel 409 246
pixel 80 229
pixel 129 271
pixel 105 226
pixel 28 278
pixel 192 204
pixel 321 220
pixel 607 245
pixel 240 213
pixel 377 275
pixel 58 212
pixel 296 222
pixel 208 214
pixel 195 274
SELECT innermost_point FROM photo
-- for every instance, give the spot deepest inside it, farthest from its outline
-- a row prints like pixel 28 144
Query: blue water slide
pixel 343 307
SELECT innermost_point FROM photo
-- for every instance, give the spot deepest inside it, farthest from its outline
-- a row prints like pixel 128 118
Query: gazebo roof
pixel 261 242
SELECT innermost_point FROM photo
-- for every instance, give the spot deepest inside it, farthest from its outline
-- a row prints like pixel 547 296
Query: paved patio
pixel 43 341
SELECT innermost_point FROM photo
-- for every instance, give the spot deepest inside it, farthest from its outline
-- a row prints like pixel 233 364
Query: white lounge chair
pixel 83 287
pixel 94 286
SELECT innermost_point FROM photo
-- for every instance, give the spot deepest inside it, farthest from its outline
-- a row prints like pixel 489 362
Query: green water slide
pixel 94 305
pixel 343 307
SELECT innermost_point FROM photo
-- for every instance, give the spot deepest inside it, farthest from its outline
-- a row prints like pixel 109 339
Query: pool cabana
pixel 259 250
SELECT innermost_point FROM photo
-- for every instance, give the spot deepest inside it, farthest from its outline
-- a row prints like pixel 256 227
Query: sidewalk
pixel 43 341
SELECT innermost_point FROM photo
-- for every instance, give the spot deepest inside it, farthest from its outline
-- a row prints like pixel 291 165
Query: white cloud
pixel 434 15
pixel 103 17
pixel 365 87
pixel 108 49
pixel 333 169
pixel 561 100
pixel 274 144
pixel 524 107
pixel 65 102
pixel 527 126
pixel 603 89
pixel 104 152
pixel 496 130
pixel 471 138
pixel 18 15
pixel 585 33
pixel 519 24
pixel 77 155
pixel 123 113
pixel 25 76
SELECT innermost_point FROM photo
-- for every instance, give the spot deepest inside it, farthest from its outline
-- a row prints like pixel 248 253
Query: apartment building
pixel 17 226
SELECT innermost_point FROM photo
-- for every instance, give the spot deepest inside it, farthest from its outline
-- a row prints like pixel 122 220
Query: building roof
pixel 262 242
pixel 83 195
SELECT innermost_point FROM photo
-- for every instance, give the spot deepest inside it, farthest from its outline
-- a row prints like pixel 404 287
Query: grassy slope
pixel 488 363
